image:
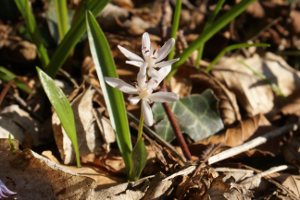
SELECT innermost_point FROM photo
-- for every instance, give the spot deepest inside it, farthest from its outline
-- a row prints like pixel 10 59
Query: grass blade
pixel 114 99
pixel 7 75
pixel 35 35
pixel 62 17
pixel 175 25
pixel 206 26
pixel 209 32
pixel 62 108
pixel 73 36
pixel 231 48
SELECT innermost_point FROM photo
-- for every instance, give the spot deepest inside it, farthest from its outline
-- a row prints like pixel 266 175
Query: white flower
pixel 151 58
pixel 4 191
pixel 144 90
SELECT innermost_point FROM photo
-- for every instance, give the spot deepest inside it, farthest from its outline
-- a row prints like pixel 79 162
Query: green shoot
pixel 210 32
pixel 175 25
pixel 206 26
pixel 35 35
pixel 62 17
pixel 62 108
pixel 105 67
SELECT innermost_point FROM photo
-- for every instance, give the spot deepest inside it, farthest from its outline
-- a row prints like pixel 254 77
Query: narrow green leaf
pixel 7 75
pixel 197 116
pixel 62 17
pixel 35 35
pixel 73 36
pixel 206 26
pixel 62 108
pixel 105 67
pixel 209 32
pixel 175 25
pixel 231 48
pixel 139 158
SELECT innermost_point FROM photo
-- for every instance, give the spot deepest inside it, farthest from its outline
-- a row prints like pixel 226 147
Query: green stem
pixel 141 124
pixel 175 25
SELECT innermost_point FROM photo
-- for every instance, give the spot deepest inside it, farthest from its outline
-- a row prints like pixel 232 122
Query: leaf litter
pixel 245 105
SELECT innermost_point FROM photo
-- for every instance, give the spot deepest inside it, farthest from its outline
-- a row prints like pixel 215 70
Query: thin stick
pixel 178 133
pixel 251 144
pixel 5 90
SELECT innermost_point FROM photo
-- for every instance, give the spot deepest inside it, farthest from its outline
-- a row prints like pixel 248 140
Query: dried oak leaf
pixel 35 177
pixel 228 106
pixel 249 79
pixel 239 134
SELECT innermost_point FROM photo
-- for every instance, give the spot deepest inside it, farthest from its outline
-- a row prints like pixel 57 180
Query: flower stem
pixel 141 124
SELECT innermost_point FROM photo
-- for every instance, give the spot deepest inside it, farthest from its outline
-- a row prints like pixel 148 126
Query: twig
pixel 251 144
pixel 5 90
pixel 178 133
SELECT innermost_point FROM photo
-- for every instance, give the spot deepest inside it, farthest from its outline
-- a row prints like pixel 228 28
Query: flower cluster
pixel 152 71
pixel 4 191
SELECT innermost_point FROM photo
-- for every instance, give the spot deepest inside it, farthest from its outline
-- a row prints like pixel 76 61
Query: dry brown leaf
pixel 238 134
pixel 291 182
pixel 34 177
pixel 255 95
pixel 18 123
pixel 291 151
pixel 228 103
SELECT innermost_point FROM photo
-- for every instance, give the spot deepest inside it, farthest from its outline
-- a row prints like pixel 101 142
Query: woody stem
pixel 176 129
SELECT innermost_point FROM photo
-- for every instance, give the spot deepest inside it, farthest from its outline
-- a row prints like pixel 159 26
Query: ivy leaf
pixel 196 114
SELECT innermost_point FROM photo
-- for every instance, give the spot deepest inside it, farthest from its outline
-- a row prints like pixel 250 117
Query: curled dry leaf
pixel 254 92
pixel 228 106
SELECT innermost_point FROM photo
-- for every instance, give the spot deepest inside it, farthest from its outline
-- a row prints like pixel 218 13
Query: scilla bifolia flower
pixel 151 58
pixel 4 191
pixel 148 78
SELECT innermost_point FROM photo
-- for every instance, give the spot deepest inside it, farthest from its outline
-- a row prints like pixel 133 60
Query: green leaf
pixel 62 17
pixel 105 67
pixel 62 108
pixel 210 32
pixel 197 116
pixel 6 75
pixel 35 35
pixel 175 25
pixel 139 158
pixel 73 35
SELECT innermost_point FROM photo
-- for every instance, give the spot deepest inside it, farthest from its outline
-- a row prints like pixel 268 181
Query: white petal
pixel 163 97
pixel 153 73
pixel 165 50
pixel 141 76
pixel 128 54
pixel 156 80
pixel 147 113
pixel 121 85
pixel 135 63
pixel 134 100
pixel 146 44
pixel 165 63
